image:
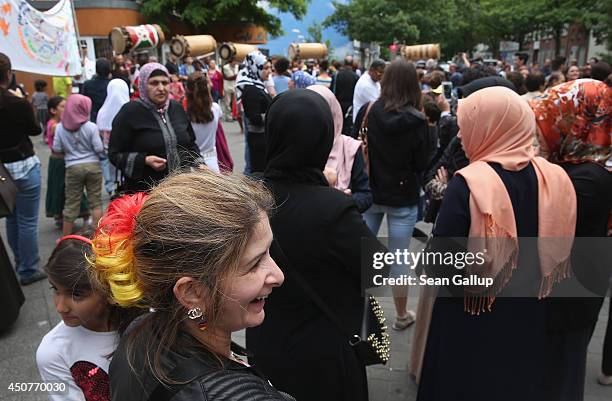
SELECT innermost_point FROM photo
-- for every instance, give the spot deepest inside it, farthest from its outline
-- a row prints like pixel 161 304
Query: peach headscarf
pixel 343 152
pixel 496 125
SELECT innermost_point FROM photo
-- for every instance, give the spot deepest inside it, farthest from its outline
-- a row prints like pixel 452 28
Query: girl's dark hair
pixel 54 102
pixel 400 86
pixel 199 101
pixel 68 266
pixel 40 85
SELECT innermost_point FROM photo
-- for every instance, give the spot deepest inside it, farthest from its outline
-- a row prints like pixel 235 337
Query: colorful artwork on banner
pixel 39 42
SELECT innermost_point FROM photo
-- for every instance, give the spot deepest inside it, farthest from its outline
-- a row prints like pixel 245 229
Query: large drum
pixel 420 52
pixel 127 38
pixel 307 50
pixel 239 51
pixel 195 45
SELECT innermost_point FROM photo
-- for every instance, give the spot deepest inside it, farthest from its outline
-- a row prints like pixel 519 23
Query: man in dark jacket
pixel 344 88
pixel 95 88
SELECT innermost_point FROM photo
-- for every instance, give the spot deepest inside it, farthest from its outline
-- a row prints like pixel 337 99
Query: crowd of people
pixel 187 253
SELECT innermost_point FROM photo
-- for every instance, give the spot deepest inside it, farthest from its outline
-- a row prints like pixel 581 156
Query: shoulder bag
pixel 8 192
pixel 8 189
pixel 362 135
pixel 371 344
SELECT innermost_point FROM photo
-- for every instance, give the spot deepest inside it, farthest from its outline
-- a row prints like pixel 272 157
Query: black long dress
pixel 498 355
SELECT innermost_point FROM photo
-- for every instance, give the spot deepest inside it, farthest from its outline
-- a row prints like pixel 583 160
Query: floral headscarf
pixel 143 79
pixel 574 120
pixel 303 79
pixel 250 72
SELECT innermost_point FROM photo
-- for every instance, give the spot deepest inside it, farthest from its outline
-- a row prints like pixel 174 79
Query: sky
pixel 318 10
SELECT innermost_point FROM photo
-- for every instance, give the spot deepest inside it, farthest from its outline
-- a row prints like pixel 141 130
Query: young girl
pixel 56 170
pixel 77 351
pixel 204 115
pixel 79 140
pixel 177 90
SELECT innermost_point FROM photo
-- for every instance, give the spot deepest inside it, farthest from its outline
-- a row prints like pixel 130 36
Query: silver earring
pixel 194 313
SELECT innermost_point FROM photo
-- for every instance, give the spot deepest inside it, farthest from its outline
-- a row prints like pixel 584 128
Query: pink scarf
pixel 343 151
pixel 496 125
pixel 76 112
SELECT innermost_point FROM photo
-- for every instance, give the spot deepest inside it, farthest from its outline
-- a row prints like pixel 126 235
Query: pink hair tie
pixel 74 236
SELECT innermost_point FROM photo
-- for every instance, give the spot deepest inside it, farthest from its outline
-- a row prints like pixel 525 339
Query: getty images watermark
pixel 403 259
pixel 578 266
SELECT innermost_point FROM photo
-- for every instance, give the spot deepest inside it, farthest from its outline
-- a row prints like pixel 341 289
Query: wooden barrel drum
pixel 194 45
pixel 419 52
pixel 125 39
pixel 307 50
pixel 239 51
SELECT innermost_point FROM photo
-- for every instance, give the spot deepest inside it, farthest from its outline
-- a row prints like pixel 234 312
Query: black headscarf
pixel 481 83
pixel 300 135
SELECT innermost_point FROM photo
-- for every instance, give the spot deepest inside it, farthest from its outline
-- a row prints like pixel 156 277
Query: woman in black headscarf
pixel 319 230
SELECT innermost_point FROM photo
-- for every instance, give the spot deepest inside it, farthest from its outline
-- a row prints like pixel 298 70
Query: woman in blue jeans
pixel 18 123
pixel 397 148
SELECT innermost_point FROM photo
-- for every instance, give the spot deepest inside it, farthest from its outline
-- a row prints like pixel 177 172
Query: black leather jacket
pixel 208 377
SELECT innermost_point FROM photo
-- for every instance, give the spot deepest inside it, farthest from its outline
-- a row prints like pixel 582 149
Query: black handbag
pixel 371 344
pixel 8 192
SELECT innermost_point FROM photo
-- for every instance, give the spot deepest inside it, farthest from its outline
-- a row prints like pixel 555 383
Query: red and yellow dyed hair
pixel 113 250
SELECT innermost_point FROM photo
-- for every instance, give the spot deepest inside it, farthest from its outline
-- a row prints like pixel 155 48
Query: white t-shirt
pixel 206 133
pixel 79 357
pixel 366 91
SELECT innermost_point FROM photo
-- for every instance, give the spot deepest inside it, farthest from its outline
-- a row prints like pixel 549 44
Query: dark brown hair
pixel 400 87
pixel 199 101
pixel 5 67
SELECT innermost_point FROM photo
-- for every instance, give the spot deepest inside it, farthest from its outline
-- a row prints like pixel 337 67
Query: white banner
pixel 39 42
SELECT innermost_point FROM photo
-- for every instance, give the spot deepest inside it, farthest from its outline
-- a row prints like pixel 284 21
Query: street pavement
pixel 386 383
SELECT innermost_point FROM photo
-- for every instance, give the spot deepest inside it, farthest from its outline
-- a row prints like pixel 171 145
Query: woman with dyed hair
pixel 152 136
pixel 195 251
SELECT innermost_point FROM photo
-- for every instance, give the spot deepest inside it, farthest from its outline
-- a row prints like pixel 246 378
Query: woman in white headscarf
pixel 117 94
pixel 251 92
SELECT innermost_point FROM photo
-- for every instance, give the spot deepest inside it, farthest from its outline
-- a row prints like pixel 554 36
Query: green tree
pixel 405 21
pixel 200 13
pixel 515 19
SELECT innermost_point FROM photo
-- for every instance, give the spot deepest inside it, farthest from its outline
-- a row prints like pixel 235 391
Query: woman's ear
pixel 189 292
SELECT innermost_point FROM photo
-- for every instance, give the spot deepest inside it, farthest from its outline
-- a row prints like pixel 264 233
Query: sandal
pixel 403 322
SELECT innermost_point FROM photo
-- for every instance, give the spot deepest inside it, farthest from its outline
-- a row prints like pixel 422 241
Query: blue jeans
pixel 400 224
pixel 108 172
pixel 22 225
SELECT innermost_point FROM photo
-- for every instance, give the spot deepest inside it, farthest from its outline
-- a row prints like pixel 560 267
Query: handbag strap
pixel 364 121
pixel 314 297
